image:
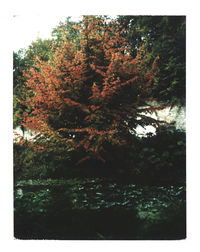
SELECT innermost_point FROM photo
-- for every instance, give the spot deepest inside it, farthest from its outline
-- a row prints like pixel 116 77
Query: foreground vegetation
pixel 98 209
pixel 144 200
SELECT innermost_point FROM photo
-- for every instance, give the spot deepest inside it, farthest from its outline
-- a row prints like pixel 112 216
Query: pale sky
pixel 29 27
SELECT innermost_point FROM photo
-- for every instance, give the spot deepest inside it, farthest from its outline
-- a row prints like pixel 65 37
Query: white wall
pixel 175 114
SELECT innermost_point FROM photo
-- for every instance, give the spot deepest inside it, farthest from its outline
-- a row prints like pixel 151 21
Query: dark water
pixel 98 209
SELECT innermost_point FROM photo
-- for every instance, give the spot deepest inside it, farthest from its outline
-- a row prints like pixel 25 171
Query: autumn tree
pixel 44 49
pixel 22 61
pixel 86 97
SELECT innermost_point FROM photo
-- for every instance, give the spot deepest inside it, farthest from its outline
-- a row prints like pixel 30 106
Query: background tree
pixel 19 64
pixel 67 29
pixel 90 97
pixel 42 48
pixel 164 36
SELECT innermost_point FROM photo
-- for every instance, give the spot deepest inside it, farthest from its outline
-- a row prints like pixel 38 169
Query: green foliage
pixel 157 159
pixel 23 158
pixel 19 64
pixel 163 157
pixel 98 209
pixel 33 203
pixel 162 36
pixel 28 163
pixel 39 48
pixel 68 30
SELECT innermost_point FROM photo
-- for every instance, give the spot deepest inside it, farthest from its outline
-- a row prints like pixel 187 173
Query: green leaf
pixel 180 143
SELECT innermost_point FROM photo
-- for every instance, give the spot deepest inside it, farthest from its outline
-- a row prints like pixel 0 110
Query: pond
pixel 98 209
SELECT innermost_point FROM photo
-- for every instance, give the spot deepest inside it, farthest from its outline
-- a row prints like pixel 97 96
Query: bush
pixel 164 156
pixel 29 163
pixel 159 158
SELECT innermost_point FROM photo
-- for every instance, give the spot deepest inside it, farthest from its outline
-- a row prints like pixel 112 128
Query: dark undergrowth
pixel 159 159
pixel 95 209
pixel 137 194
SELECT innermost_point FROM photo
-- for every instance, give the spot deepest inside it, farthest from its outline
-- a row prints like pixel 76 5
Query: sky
pixel 28 27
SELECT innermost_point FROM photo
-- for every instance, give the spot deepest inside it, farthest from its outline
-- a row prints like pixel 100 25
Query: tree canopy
pixel 89 96
pixel 164 36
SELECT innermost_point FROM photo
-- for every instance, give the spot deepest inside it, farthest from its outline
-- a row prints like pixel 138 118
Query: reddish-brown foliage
pixel 84 98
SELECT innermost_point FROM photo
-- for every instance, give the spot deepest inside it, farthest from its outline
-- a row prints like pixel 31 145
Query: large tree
pixel 89 96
